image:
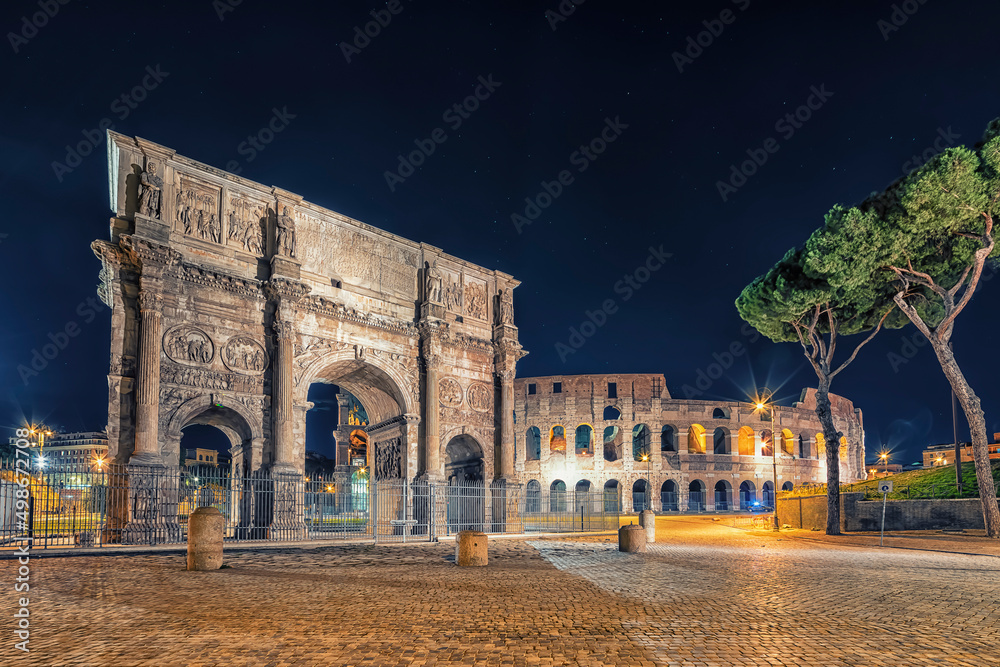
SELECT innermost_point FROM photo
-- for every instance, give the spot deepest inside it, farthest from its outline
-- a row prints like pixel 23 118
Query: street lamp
pixel 885 460
pixel 764 403
pixel 648 503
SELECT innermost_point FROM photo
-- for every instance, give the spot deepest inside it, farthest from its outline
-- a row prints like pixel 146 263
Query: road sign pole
pixel 885 488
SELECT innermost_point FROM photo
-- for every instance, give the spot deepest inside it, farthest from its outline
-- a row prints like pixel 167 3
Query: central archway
pixel 379 388
pixel 463 460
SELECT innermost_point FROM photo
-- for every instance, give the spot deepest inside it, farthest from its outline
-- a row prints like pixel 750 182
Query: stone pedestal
pixel 205 531
pixel 471 549
pixel 647 519
pixel 288 522
pixel 632 539
pixel 152 503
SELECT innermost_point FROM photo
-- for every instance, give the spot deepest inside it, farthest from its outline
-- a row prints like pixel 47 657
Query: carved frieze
pixel 311 344
pixel 197 211
pixel 122 365
pixel 245 355
pixel 389 459
pixel 466 417
pixel 450 392
pixel 475 299
pixel 205 379
pixel 247 220
pixel 480 397
pixel 186 344
pixel 452 293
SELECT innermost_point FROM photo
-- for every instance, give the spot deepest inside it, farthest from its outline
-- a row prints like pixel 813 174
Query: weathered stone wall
pixel 866 515
pixel 680 456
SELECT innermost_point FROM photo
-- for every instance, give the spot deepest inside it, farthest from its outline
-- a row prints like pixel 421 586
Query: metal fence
pixel 87 507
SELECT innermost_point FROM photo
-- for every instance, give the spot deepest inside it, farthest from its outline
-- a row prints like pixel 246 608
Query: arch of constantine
pixel 230 298
pixel 624 436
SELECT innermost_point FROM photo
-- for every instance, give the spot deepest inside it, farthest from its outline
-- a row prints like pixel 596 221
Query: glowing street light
pixel 763 402
pixel 884 455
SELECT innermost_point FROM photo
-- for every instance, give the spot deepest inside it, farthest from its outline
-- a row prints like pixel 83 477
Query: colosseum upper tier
pixel 612 433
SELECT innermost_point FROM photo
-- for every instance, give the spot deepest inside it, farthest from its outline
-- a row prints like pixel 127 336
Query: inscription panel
pixel 357 258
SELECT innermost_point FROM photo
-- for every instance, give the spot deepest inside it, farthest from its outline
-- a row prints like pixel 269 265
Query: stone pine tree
pixel 795 302
pixel 929 236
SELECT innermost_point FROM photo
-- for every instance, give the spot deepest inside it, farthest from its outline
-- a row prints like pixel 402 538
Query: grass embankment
pixel 936 482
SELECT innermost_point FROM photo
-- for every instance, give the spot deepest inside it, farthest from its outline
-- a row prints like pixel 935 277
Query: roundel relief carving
pixel 480 397
pixel 244 355
pixel 450 392
pixel 188 345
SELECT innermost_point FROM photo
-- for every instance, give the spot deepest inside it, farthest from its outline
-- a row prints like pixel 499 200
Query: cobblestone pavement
pixel 704 595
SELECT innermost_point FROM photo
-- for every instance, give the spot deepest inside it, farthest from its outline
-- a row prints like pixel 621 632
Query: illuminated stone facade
pixel 582 433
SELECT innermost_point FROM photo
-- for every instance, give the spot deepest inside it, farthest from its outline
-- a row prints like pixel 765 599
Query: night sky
pixel 883 86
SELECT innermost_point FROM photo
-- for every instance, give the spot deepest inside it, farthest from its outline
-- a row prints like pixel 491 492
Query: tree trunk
pixel 832 437
pixel 977 427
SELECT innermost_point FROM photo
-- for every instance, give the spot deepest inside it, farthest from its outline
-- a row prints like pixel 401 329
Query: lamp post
pixel 763 404
pixel 648 504
pixel 885 462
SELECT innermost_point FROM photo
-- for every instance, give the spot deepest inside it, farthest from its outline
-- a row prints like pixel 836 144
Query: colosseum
pixel 619 435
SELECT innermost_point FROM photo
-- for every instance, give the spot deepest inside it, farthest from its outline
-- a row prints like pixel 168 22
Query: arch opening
pixel 640 496
pixel 696 439
pixel 720 441
pixel 533 444
pixel 641 440
pixel 746 441
pixel 612 443
pixel 612 496
pixel 463 460
pixel 696 495
pixel 668 438
pixel 723 495
pixel 748 495
pixel 557 496
pixel 668 496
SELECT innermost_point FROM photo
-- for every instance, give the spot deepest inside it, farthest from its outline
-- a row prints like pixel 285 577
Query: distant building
pixel 202 457
pixel 72 451
pixel 879 470
pixel 943 455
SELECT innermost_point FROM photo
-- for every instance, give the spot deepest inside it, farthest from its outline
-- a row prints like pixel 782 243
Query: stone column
pixel 147 447
pixel 286 484
pixel 507 424
pixel 281 399
pixel 432 429
pixel 152 488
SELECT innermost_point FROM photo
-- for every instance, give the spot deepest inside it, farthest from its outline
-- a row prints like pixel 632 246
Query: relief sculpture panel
pixel 244 355
pixel 246 224
pixel 475 299
pixel 480 397
pixel 197 211
pixel 188 345
pixel 450 392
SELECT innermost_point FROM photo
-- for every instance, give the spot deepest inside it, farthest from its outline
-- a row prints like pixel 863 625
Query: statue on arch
pixel 285 240
pixel 152 187
pixel 432 283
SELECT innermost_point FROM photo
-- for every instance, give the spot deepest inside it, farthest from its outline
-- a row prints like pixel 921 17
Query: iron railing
pixel 88 506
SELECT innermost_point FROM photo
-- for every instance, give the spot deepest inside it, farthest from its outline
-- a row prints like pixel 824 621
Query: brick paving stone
pixel 704 595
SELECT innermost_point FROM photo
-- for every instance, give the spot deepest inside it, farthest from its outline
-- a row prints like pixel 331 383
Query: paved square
pixel 704 595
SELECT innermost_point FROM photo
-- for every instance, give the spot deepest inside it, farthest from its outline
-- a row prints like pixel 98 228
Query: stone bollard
pixel 632 539
pixel 471 549
pixel 205 528
pixel 647 519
